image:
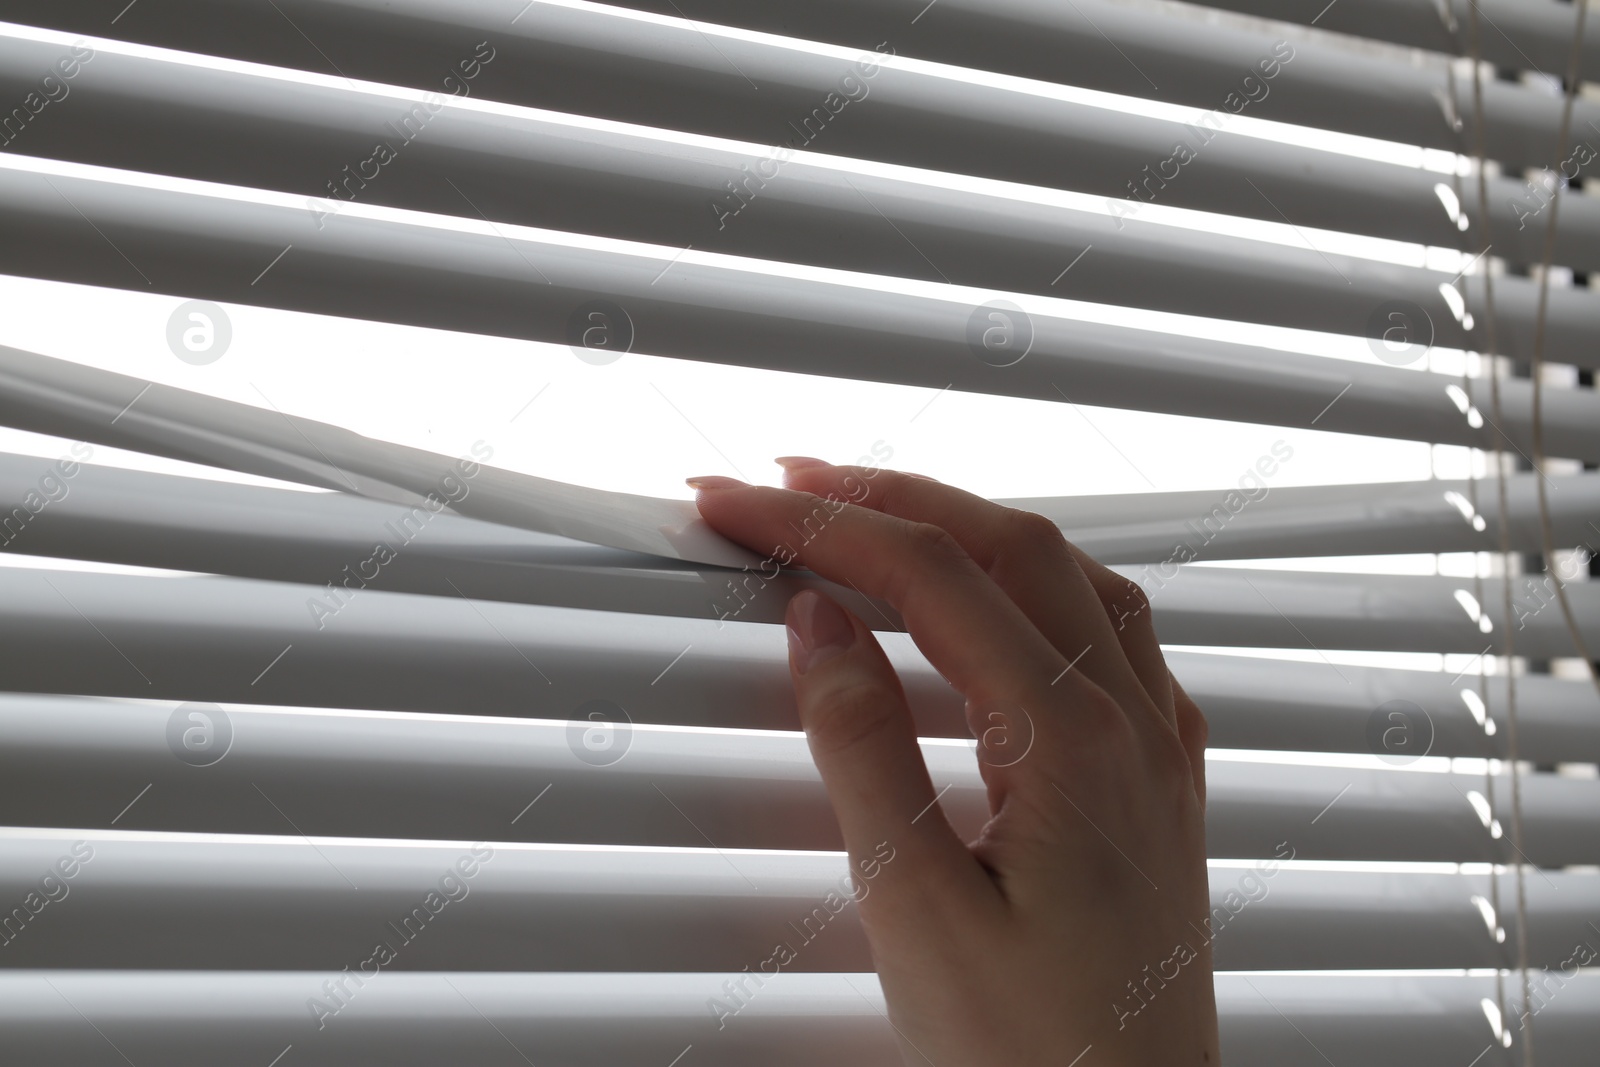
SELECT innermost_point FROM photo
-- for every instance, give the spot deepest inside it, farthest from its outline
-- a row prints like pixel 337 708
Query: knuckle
pixel 934 542
pixel 930 553
pixel 822 509
pixel 1136 594
pixel 888 492
pixel 1028 531
pixel 1192 724
pixel 856 486
pixel 1130 607
pixel 1202 728
pixel 814 519
pixel 1167 757
pixel 1026 540
pixel 1099 713
pixel 851 714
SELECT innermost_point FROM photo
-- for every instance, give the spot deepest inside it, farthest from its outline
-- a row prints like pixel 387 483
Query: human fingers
pixel 1050 579
pixel 972 633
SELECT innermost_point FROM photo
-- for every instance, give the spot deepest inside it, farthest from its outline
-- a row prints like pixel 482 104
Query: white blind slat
pixel 286 903
pixel 414 1019
pixel 345 774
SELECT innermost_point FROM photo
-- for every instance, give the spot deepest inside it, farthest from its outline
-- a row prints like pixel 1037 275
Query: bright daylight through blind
pixel 1281 309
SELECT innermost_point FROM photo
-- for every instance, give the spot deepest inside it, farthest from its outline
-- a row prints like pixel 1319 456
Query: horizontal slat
pixel 190 1019
pixel 215 638
pixel 243 124
pixel 1400 1020
pixel 1533 35
pixel 669 72
pixel 307 903
pixel 1274 704
pixel 141 635
pixel 1250 520
pixel 213 242
pixel 317 539
pixel 1173 53
pixel 331 774
pixel 1352 814
pixel 146 620
pixel 173 522
pixel 1203 605
pixel 176 522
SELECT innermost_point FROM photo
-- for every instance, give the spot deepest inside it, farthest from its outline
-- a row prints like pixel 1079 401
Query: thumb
pixel 861 735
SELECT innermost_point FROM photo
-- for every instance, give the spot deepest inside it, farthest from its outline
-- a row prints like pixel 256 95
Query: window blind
pixel 321 749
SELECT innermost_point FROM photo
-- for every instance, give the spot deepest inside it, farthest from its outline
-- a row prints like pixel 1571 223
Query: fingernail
pixel 818 630
pixel 715 481
pixel 800 463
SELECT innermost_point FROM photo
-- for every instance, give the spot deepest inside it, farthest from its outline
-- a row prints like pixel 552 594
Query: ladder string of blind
pixel 1571 87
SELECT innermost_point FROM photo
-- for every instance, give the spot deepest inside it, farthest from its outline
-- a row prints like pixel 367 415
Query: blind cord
pixel 1485 694
pixel 1508 640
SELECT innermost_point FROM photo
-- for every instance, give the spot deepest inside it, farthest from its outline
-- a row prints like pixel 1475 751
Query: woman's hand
pixel 1073 931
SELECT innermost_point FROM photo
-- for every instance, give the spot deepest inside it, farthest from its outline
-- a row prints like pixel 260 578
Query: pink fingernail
pixel 800 463
pixel 818 629
pixel 715 481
